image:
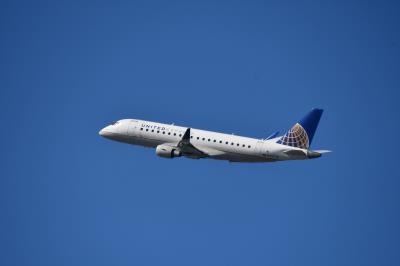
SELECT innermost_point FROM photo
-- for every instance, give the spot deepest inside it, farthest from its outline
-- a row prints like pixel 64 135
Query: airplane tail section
pixel 302 133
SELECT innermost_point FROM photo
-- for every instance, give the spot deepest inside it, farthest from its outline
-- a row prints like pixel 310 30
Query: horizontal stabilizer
pixel 323 151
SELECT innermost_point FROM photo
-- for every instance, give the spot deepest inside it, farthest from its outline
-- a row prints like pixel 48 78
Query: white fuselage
pixel 214 144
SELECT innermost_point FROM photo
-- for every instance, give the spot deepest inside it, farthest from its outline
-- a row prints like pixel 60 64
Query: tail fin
pixel 302 133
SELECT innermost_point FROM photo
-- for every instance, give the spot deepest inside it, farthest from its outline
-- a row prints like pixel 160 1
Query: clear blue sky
pixel 70 197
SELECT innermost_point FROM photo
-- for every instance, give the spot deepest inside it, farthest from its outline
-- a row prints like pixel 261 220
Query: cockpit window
pixel 115 123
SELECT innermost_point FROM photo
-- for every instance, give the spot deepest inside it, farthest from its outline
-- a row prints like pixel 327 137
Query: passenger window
pixel 198 138
pixel 249 146
pixel 180 135
pixel 237 145
pixel 163 132
pixel 141 128
pixel 169 133
pixel 203 138
pixel 209 139
pixel 147 129
pixel 220 141
pixel 158 131
pixel 215 140
pixel 152 130
pixel 243 145
pixel 232 143
pixel 174 134
pixel 226 142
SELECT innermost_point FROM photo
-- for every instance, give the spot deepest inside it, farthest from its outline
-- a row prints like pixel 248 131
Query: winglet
pixel 186 136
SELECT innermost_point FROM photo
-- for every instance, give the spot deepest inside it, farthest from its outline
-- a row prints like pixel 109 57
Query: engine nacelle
pixel 167 151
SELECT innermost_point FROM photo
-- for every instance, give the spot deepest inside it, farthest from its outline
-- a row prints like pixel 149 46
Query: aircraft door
pixel 134 130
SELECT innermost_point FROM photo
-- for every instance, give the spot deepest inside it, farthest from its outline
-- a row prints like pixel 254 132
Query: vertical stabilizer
pixel 302 133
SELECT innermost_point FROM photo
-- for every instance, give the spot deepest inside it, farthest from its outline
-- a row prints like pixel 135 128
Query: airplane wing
pixel 195 152
pixel 188 148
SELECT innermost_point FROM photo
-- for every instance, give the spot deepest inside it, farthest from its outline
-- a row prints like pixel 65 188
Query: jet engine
pixel 167 151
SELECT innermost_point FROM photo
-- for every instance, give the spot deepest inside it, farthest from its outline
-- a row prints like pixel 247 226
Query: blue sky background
pixel 70 197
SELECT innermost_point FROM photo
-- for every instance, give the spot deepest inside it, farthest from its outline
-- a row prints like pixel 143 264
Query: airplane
pixel 172 141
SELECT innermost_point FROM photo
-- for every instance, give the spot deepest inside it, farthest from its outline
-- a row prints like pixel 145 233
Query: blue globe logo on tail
pixel 295 137
pixel 302 133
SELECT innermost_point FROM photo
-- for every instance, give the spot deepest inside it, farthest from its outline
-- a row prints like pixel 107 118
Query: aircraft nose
pixel 105 132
